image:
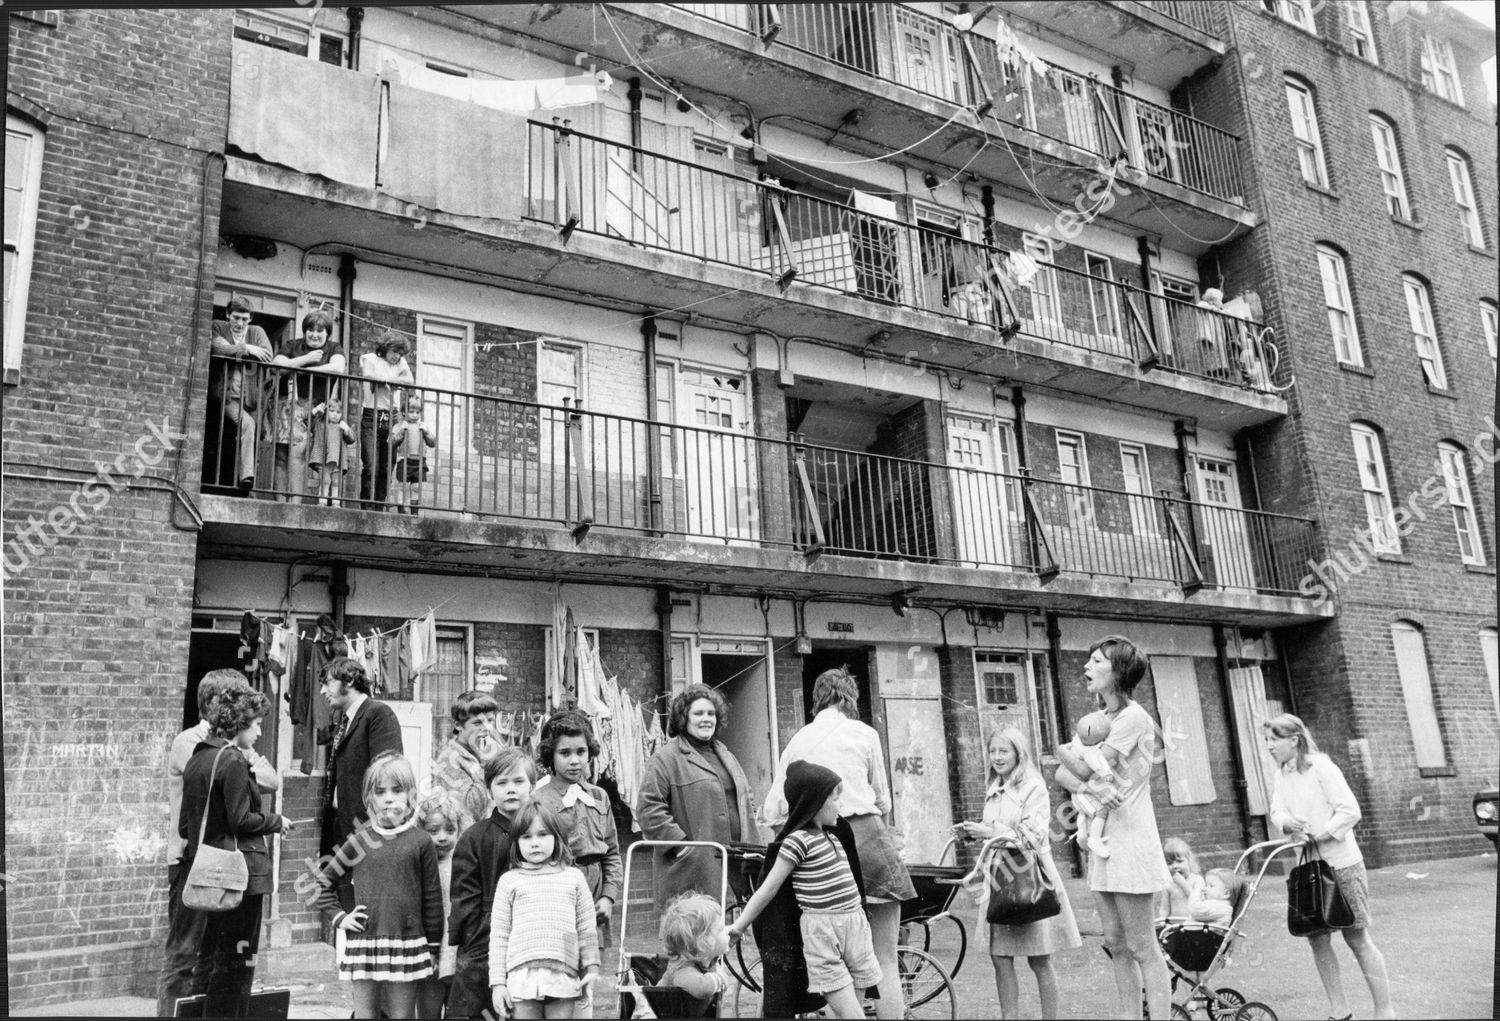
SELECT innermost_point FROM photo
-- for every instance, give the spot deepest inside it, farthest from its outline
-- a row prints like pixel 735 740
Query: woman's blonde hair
pixel 691 926
pixel 1020 743
pixel 391 769
pixel 1287 725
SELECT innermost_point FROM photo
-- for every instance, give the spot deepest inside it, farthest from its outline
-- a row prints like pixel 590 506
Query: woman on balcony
pixel 297 394
pixel 1126 883
pixel 382 368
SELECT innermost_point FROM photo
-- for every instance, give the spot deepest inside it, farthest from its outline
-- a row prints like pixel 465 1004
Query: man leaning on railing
pixel 234 387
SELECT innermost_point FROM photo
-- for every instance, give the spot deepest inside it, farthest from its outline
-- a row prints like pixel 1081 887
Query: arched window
pixel 1369 457
pixel 1305 133
pixel 1460 498
pixel 1388 157
pixel 1424 331
pixel 1340 304
pixel 1416 690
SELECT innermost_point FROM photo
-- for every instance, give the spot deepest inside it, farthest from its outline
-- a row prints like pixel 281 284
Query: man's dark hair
pixel 349 672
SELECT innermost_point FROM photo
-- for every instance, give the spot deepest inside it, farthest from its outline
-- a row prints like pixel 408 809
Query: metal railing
pixel 1193 13
pixel 899 44
pixel 450 453
pixel 581 182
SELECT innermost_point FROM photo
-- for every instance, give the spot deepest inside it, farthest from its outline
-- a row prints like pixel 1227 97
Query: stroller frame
pixel 1219 1006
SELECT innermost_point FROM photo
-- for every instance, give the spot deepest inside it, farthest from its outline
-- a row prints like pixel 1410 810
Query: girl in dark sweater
pixel 390 939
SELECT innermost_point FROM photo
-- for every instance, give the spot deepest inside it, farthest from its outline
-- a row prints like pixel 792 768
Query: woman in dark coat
pixel 230 799
pixel 694 789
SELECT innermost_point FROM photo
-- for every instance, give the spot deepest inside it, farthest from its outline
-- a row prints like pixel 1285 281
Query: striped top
pixel 821 877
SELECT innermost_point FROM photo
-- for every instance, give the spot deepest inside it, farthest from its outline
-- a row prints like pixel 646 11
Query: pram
pixel 641 960
pixel 1197 951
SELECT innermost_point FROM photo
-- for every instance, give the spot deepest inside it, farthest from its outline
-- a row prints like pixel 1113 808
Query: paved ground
pixel 1434 921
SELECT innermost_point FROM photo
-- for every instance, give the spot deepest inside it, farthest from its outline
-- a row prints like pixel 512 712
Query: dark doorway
pixel 219 650
pixel 854 658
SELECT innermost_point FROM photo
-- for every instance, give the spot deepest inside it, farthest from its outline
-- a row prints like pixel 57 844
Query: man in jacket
pixel 234 389
pixel 362 728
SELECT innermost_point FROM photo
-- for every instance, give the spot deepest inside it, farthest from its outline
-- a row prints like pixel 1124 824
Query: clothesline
pixel 378 634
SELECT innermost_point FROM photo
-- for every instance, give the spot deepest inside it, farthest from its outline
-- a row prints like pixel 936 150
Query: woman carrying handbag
pixel 221 808
pixel 1311 801
pixel 1017 810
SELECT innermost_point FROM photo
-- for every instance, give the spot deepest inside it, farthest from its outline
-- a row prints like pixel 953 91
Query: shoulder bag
pixel 1314 902
pixel 217 880
pixel 1020 892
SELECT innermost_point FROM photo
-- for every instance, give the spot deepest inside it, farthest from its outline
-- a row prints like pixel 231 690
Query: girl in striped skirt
pixel 390 936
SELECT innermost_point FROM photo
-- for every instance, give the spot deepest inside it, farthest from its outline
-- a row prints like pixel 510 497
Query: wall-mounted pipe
pixel 356 26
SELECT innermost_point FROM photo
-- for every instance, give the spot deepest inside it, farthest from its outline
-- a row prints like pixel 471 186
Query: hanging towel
pixel 423 643
pixel 514 97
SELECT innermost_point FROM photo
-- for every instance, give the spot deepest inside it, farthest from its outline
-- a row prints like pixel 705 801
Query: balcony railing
pixel 1193 13
pixel 483 457
pixel 582 182
pixel 899 44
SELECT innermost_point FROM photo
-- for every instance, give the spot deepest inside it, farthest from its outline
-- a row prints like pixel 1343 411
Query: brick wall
pixel 97 613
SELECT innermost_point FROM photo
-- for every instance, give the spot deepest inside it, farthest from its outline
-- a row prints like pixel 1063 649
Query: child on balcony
pixel 409 465
pixel 330 436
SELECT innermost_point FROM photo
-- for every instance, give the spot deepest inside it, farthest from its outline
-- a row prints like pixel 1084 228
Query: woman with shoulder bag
pixel 1311 801
pixel 1017 808
pixel 220 799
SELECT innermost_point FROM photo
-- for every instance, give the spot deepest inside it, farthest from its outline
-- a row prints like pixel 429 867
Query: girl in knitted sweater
pixel 392 934
pixel 544 943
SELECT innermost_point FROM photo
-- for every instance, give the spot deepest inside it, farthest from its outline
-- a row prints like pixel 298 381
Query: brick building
pixel 822 334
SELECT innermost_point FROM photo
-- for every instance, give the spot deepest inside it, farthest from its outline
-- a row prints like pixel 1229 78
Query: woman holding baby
pixel 1126 880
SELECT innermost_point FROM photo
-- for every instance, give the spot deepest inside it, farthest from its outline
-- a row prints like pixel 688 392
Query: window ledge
pixel 1482 251
pixel 12 376
pixel 1393 558
pixel 1427 772
pixel 1320 189
pixel 1480 569
pixel 47 18
pixel 1442 391
pixel 1358 370
pixel 1409 224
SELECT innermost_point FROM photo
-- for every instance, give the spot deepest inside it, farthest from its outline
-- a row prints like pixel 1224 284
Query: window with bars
pixel 1340 305
pixel 1463 196
pixel 1369 456
pixel 1461 501
pixel 1388 158
pixel 1440 70
pixel 1305 133
pixel 452 676
pixel 1423 332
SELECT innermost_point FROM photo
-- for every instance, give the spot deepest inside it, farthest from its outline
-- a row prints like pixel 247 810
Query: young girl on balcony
pixel 409 466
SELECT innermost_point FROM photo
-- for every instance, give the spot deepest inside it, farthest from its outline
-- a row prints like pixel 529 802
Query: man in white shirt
pixel 185 927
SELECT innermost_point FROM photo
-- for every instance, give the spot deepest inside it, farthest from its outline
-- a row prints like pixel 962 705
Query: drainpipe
pixel 1054 666
pixel 1241 786
pixel 664 625
pixel 1183 431
pixel 987 198
pixel 356 22
pixel 634 95
pixel 347 273
pixel 653 448
pixel 338 592
pixel 1143 247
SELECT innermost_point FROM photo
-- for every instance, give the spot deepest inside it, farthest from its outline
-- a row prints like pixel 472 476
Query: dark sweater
pixel 481 855
pixel 236 819
pixel 396 878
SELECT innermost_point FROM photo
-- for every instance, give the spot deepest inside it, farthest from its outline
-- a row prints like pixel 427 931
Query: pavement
pixel 1434 921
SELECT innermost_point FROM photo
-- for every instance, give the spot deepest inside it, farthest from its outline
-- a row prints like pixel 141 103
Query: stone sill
pixel 1429 772
pixel 1358 370
pixel 1480 569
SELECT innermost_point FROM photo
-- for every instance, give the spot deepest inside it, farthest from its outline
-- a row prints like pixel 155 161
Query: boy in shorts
pixel 836 940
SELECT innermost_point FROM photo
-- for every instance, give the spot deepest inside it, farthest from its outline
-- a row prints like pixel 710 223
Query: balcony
pixel 913 74
pixel 1163 40
pixel 508 482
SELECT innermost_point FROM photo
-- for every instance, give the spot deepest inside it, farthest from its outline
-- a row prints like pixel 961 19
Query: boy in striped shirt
pixel 836 940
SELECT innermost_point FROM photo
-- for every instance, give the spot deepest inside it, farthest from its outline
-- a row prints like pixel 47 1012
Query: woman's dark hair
pixel 313 320
pixel 470 704
pixel 349 672
pixel 234 709
pixel 1131 665
pixel 561 724
pixel 390 341
pixel 530 812
pixel 838 689
pixel 678 714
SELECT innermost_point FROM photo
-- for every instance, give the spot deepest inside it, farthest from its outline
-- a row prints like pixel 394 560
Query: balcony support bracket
pixel 1046 569
pixel 809 504
pixel 1195 580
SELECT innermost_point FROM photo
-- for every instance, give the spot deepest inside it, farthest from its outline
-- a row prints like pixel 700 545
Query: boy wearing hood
pixel 836 940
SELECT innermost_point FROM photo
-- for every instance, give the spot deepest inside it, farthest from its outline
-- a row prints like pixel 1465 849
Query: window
pixel 1388 156
pixel 255 27
pixel 1015 688
pixel 1416 688
pixel 1045 298
pixel 1489 316
pixel 1361 38
pixel 1369 454
pixel 1489 644
pixel 442 363
pixel 1463 194
pixel 1293 12
pixel 1419 311
pixel 23 178
pixel 1309 141
pixel 1136 473
pixel 1439 71
pixel 1073 468
pixel 1340 307
pixel 443 683
pixel 1465 522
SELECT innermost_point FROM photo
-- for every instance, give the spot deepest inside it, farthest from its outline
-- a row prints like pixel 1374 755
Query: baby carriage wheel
pixel 1180 1013
pixel 925 985
pixel 1254 1011
pixel 1231 999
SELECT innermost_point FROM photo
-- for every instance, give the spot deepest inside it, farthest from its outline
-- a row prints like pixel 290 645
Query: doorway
pixel 214 644
pixel 742 679
pixel 855 659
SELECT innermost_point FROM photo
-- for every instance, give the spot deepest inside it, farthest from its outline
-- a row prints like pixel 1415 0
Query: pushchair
pixel 1197 951
pixel 641 961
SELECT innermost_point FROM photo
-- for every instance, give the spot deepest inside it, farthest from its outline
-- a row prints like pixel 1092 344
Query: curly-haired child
pixel 695 940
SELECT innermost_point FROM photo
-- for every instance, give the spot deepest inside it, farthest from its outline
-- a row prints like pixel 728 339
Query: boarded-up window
pixel 1416 689
pixel 1489 640
pixel 1248 690
pixel 1189 777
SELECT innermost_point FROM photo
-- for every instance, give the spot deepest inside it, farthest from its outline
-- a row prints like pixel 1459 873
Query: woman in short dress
pixel 1126 883
pixel 1311 801
pixel 1016 807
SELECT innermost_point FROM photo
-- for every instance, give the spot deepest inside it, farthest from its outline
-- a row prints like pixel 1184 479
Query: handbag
pixel 1020 892
pixel 1314 902
pixel 218 878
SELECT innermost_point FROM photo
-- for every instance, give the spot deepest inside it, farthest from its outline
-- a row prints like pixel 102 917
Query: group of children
pixel 328 463
pixel 503 915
